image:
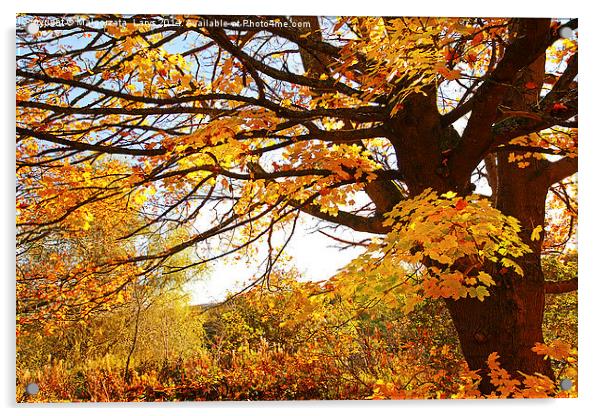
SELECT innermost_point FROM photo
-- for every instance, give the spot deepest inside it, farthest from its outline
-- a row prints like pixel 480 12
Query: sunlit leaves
pixel 557 350
pixel 437 249
pixel 529 385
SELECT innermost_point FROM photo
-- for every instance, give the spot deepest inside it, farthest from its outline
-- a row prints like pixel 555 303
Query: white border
pixel 589 197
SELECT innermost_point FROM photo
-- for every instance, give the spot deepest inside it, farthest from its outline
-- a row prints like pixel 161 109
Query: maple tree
pixel 386 126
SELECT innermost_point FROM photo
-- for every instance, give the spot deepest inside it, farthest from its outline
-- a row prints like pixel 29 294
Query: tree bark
pixel 509 321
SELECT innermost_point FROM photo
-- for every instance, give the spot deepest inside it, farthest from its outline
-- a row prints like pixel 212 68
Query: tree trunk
pixel 509 321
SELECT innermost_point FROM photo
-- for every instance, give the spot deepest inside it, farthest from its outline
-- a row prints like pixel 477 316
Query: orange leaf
pixel 478 38
pixel 461 204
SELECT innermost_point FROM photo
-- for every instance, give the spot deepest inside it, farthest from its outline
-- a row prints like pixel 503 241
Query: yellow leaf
pixel 481 292
pixel 486 279
pixel 535 234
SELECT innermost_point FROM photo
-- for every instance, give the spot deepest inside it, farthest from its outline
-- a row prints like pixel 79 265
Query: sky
pixel 316 257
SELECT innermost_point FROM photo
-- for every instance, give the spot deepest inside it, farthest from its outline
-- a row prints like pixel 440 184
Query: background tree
pixel 241 129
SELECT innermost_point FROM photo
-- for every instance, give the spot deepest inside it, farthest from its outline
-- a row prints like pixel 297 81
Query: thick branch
pixel 508 129
pixel 384 194
pixel 563 85
pixel 355 222
pixel 531 39
pixel 561 169
pixel 564 286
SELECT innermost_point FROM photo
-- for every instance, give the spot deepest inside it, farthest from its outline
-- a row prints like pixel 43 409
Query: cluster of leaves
pixel 437 248
pixel 530 386
pixel 535 385
pixel 406 55
pixel 74 267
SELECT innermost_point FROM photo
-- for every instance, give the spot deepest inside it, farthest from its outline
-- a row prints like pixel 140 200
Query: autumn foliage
pixel 293 342
pixel 444 148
